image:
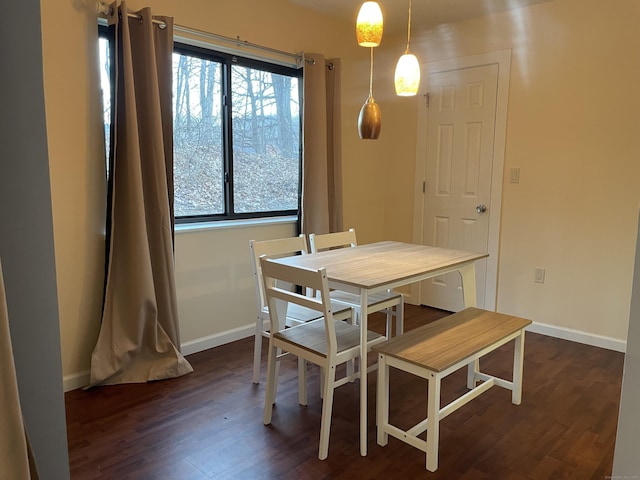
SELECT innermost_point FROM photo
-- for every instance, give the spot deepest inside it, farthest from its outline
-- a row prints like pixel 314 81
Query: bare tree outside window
pixel 105 88
pixel 236 131
pixel 197 137
pixel 266 136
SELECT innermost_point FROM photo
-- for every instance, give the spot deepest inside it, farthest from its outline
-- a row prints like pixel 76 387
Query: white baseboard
pixel 579 336
pixel 217 339
pixel 76 380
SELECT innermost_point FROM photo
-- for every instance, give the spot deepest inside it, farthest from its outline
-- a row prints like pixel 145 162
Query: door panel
pixel 460 135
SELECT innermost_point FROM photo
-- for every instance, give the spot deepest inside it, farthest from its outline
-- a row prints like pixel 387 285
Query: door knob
pixel 481 208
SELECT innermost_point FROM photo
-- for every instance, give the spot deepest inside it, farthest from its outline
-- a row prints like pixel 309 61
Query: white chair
pixel 282 247
pixel 326 341
pixel 392 303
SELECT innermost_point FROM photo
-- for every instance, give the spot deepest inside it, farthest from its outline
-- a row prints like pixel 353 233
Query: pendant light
pixel 407 75
pixel 369 25
pixel 370 118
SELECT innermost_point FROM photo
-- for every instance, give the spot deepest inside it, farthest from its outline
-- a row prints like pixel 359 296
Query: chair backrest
pixel 278 248
pixel 279 298
pixel 327 241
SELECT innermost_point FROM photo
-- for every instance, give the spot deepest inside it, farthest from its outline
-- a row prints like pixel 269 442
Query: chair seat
pixel 299 314
pixel 312 336
pixel 374 300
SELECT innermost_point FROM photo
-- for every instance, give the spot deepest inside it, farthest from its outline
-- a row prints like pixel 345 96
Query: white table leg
pixel 518 358
pixel 364 321
pixel 433 422
pixel 468 274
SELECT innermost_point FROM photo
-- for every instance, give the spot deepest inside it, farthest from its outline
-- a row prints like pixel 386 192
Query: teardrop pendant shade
pixel 370 120
pixel 369 25
pixel 407 76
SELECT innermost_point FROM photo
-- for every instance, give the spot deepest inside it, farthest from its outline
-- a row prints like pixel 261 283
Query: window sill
pixel 229 224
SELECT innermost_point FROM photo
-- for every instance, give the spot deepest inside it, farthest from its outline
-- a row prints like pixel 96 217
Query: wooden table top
pixel 378 264
pixel 445 342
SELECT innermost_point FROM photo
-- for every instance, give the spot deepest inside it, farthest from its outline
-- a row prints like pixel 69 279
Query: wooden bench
pixel 438 349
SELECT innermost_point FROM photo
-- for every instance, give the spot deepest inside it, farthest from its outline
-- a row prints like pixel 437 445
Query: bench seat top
pixel 449 340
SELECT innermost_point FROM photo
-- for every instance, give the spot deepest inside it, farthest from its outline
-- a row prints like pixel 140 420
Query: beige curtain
pixel 16 461
pixel 139 337
pixel 322 160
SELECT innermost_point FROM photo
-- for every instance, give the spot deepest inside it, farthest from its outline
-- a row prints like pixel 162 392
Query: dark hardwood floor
pixel 208 424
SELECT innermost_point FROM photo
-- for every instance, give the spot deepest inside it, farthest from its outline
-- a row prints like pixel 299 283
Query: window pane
pixel 197 136
pixel 266 140
pixel 105 85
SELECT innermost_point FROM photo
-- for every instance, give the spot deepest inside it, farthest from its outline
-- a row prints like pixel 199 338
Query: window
pixel 237 135
pixel 104 50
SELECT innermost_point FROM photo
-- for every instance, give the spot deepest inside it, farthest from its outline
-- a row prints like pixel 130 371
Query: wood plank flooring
pixel 208 424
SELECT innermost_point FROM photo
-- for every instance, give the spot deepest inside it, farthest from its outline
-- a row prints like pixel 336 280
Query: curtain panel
pixel 16 461
pixel 322 146
pixel 139 338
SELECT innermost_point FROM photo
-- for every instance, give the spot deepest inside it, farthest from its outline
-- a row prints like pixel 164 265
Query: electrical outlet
pixel 539 275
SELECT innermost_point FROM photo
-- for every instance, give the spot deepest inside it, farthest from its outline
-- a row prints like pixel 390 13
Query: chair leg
pixel 272 380
pixel 389 322
pixel 351 364
pixel 302 381
pixel 257 351
pixel 276 374
pixel 400 317
pixel 327 406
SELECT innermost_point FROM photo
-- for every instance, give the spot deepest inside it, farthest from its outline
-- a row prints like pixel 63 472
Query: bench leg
pixel 518 360
pixel 382 402
pixel 468 277
pixel 433 422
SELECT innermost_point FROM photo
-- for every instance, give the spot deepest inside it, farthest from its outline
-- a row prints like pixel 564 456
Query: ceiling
pixel 425 13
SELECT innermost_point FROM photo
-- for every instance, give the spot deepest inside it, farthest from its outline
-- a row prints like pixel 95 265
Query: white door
pixel 457 193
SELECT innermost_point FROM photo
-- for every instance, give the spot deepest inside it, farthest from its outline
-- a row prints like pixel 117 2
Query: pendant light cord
pixel 409 27
pixel 371 75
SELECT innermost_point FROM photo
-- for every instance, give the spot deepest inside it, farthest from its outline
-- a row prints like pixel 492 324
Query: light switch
pixel 514 175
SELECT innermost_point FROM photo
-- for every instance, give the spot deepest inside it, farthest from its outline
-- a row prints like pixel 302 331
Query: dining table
pixel 375 267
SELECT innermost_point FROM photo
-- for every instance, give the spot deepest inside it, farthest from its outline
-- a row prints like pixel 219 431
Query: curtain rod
pixel 298 57
pixel 107 10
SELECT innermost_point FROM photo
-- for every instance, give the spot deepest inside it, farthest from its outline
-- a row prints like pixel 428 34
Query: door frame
pixel 503 59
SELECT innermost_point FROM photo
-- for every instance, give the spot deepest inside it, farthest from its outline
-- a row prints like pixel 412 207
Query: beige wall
pixel 571 119
pixel 215 284
pixel 573 116
pixel 77 175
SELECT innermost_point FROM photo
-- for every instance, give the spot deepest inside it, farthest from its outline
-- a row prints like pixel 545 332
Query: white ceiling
pixel 425 13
